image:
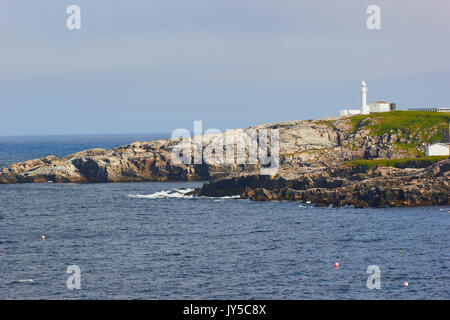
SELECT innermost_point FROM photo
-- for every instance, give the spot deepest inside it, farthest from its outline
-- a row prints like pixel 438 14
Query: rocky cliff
pixel 303 145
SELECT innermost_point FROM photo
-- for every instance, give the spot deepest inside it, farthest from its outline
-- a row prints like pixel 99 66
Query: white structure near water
pixel 379 106
pixel 438 149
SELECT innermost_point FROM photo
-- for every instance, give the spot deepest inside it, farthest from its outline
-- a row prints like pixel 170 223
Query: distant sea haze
pixel 21 148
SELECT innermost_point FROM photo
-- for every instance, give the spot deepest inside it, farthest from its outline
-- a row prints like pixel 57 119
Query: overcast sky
pixel 154 66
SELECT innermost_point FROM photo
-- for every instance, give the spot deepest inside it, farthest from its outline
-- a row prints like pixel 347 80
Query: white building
pixel 379 106
pixel 438 149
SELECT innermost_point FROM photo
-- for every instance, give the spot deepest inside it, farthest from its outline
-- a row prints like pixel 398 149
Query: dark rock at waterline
pixel 345 186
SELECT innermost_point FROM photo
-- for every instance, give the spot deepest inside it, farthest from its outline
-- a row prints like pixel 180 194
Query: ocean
pixel 149 240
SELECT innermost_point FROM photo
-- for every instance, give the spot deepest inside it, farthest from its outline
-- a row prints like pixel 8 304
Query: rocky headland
pixel 315 163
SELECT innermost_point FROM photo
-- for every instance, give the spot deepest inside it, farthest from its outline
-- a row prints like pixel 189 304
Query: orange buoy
pixel 405 284
pixel 336 264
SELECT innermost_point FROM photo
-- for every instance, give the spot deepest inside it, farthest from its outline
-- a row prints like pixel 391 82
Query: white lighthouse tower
pixel 364 106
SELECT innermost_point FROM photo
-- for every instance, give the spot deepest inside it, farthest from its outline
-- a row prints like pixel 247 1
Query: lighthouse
pixel 378 106
pixel 364 106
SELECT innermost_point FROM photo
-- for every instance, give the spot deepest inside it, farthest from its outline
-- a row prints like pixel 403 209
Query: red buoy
pixel 405 284
pixel 336 264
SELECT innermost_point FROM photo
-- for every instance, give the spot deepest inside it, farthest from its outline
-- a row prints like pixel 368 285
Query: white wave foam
pixel 175 193
pixel 26 280
pixel 226 197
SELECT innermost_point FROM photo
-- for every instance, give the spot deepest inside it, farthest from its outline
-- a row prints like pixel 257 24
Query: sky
pixel 157 65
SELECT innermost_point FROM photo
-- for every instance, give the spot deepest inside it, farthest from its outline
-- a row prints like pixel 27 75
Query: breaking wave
pixel 25 280
pixel 175 193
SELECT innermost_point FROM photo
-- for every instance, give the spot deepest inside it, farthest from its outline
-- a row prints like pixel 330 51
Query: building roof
pixel 445 144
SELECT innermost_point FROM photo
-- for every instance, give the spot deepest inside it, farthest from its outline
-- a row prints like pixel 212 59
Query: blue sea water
pixel 151 241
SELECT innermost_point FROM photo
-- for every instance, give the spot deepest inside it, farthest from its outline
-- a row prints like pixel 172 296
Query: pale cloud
pixel 232 42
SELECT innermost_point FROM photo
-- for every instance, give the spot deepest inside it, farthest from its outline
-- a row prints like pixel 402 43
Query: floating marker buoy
pixel 336 264
pixel 405 284
pixel 42 237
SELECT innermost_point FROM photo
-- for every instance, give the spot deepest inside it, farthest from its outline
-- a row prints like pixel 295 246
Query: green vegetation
pixel 397 163
pixel 287 154
pixel 412 148
pixel 425 127
pixel 407 146
pixel 328 123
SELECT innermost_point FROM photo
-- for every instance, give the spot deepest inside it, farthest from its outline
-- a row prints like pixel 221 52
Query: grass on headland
pixel 412 148
pixel 397 163
pixel 425 126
